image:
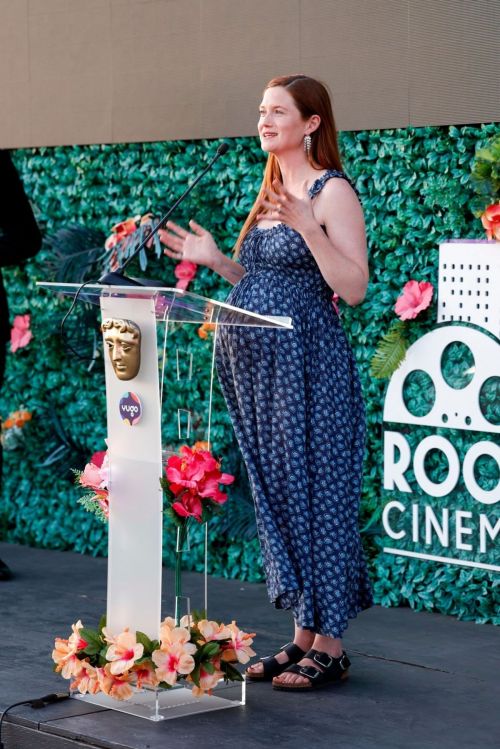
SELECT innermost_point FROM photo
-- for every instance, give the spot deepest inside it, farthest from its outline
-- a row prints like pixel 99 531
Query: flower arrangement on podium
pixel 198 650
pixel 191 486
pixel 95 477
pixel 193 648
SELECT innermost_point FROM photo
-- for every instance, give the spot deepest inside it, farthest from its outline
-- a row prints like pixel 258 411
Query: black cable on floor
pixel 36 703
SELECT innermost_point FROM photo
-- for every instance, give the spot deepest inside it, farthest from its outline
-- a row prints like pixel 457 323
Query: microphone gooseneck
pixel 117 277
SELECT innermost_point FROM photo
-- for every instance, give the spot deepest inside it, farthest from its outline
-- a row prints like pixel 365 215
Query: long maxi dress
pixel 295 402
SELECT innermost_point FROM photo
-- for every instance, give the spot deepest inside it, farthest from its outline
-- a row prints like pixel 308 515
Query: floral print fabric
pixel 295 402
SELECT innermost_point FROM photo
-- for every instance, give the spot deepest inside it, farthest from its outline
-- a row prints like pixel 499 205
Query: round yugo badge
pixel 130 409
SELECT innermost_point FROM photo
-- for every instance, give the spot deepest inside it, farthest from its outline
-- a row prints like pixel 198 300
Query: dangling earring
pixel 307 144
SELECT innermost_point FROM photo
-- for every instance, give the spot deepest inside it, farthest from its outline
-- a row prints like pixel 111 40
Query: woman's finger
pixel 281 190
pixel 172 253
pixel 199 230
pixel 177 229
pixel 271 195
pixel 268 216
pixel 170 240
pixel 277 206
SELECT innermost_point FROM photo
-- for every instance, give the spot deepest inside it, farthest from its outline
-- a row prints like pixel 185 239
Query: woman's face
pixel 281 127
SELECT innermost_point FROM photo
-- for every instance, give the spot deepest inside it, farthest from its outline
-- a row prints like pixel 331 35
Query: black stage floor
pixel 418 680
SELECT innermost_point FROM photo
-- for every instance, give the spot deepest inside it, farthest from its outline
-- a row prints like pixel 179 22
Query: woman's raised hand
pixel 281 205
pixel 196 246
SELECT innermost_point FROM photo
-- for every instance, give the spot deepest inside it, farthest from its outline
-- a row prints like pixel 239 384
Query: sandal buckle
pixel 321 663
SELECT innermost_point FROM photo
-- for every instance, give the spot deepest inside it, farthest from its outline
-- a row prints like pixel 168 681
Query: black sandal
pixel 333 670
pixel 272 667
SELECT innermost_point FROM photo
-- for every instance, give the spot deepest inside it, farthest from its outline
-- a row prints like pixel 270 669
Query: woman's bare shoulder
pixel 337 195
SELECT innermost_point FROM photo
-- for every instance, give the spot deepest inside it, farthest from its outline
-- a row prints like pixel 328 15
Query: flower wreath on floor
pixel 198 650
pixel 195 649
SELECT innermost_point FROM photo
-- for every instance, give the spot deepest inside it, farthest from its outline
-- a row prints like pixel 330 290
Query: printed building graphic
pixel 469 284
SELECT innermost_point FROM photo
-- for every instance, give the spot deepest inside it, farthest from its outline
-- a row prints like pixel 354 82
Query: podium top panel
pixel 172 305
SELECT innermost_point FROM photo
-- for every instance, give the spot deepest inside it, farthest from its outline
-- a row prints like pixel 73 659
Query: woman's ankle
pixel 331 645
pixel 304 638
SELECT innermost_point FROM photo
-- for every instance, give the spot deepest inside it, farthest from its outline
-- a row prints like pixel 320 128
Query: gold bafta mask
pixel 122 338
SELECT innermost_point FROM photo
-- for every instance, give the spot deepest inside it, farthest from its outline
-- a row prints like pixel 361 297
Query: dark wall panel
pixel 454 61
pixel 86 71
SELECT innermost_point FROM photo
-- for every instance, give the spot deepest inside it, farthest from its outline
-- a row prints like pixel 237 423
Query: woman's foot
pixel 329 645
pixel 303 639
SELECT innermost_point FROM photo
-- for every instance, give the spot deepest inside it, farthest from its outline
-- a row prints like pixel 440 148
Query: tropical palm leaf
pixel 75 254
pixel 390 351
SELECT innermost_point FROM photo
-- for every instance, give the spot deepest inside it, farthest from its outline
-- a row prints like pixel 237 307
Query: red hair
pixel 310 97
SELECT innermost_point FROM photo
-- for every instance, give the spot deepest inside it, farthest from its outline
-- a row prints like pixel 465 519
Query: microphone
pixel 117 278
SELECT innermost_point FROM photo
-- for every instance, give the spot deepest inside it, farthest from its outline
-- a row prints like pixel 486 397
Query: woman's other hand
pixel 196 246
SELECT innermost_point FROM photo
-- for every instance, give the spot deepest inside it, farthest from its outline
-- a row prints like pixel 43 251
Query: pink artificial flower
pixel 67 663
pixel 76 641
pixel 168 624
pixel 20 334
pixel 335 302
pixel 490 219
pixel 96 476
pixel 241 642
pixel 416 296
pixel 213 631
pixel 86 681
pixel 175 655
pixel 104 471
pixel 117 686
pixel 207 681
pixel 185 272
pixel 123 653
pixel 102 499
pixel 144 675
pixel 171 634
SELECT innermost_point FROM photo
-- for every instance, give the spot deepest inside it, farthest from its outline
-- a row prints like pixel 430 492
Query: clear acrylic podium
pixel 137 455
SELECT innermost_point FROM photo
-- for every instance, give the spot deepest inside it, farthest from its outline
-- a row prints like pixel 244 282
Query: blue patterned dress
pixel 295 402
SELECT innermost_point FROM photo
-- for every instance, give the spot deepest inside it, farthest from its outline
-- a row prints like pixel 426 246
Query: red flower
pixel 124 228
pixel 491 221
pixel 185 272
pixel 187 470
pixel 120 231
pixel 188 506
pixel 209 487
pixel 98 458
pixel 416 296
pixel 195 475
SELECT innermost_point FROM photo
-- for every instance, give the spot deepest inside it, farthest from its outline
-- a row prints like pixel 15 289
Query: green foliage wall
pixel 414 185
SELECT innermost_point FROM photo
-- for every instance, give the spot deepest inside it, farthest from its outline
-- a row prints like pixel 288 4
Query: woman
pixel 294 396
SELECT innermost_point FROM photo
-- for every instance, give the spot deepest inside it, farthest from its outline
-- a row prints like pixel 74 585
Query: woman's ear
pixel 313 124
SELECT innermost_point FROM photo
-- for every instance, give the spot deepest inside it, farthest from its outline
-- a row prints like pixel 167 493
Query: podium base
pixel 166 704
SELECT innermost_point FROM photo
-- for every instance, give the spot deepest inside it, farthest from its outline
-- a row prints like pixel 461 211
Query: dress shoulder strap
pixel 318 185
